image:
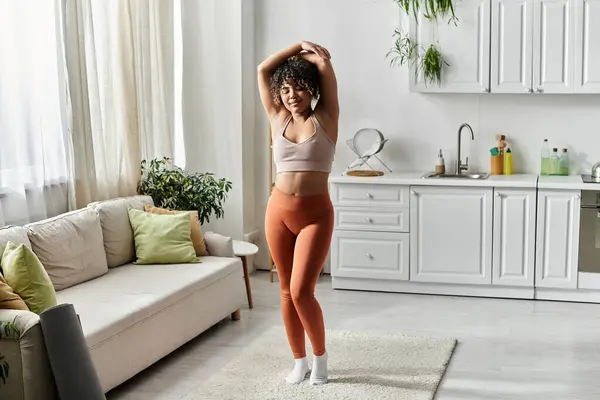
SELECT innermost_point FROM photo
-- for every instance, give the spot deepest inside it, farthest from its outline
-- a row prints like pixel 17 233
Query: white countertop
pixel 571 182
pixel 415 179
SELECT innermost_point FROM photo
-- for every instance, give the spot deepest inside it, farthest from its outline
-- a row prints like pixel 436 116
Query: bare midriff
pixel 305 183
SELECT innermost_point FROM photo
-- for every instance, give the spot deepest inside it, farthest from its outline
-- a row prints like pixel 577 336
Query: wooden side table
pixel 243 250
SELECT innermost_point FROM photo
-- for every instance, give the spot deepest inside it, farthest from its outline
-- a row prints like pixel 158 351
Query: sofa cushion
pixel 9 300
pixel 162 238
pixel 70 247
pixel 195 229
pixel 116 230
pixel 15 234
pixel 27 277
pixel 132 293
pixel 219 245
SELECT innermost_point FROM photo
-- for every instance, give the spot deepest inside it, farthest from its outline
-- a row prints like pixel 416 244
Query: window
pixel 32 133
pixel 33 140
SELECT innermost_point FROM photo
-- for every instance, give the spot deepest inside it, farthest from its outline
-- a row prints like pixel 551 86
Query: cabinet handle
pixel 369 219
pixel 369 195
pixel 485 90
pixel 369 256
pixel 529 90
pixel 539 90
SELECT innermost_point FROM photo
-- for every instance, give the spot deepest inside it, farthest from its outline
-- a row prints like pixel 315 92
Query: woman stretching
pixel 299 217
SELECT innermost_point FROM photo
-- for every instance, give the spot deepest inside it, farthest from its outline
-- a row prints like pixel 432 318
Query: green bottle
pixel 563 163
pixel 553 162
pixel 545 167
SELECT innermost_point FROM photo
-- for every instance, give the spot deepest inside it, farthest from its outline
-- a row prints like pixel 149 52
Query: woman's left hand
pixel 315 48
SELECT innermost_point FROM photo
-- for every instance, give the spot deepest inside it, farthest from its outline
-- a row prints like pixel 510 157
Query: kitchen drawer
pixel 370 255
pixel 368 194
pixel 371 219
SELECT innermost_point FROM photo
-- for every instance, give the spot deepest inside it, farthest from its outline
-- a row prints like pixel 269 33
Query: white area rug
pixel 362 366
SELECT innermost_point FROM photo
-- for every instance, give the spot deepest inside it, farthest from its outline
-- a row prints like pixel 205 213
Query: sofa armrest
pixel 30 376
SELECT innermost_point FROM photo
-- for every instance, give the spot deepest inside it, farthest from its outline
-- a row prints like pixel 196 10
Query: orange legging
pixel 298 231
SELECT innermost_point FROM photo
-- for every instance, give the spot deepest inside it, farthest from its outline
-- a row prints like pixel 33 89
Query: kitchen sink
pixel 478 175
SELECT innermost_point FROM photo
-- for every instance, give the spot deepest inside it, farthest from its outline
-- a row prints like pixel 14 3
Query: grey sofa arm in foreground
pixel 30 376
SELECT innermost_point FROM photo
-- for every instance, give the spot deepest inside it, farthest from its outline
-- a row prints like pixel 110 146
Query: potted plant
pixel 8 331
pixel 174 188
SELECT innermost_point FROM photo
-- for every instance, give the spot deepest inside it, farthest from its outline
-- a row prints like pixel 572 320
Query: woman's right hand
pixel 315 48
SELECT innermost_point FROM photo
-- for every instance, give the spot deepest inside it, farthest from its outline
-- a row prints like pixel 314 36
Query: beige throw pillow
pixel 9 300
pixel 196 231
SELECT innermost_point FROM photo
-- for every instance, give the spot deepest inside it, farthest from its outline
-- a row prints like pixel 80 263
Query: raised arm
pixel 268 66
pixel 266 69
pixel 328 100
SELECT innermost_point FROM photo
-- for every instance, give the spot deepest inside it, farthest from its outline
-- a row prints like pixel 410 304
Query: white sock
pixel 318 375
pixel 299 372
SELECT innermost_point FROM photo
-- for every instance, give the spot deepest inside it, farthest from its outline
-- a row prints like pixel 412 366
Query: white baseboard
pixel 507 292
pixel 432 288
pixel 571 295
pixel 587 280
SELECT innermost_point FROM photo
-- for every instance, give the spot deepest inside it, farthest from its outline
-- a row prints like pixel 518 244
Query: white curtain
pixel 34 144
pixel 120 61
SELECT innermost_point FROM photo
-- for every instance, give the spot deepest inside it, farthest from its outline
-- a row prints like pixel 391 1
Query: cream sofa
pixel 131 315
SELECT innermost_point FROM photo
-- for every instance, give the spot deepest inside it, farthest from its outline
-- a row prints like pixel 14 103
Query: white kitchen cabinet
pixel 587 50
pixel 451 235
pixel 369 195
pixel 553 66
pixel 371 219
pixel 514 237
pixel 465 48
pixel 522 60
pixel 370 255
pixel 503 46
pixel 370 238
pixel 557 239
pixel 511 46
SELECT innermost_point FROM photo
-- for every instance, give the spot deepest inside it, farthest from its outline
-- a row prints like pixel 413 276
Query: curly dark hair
pixel 304 73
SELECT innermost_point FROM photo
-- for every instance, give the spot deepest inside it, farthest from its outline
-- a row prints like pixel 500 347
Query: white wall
pixel 248 114
pixel 217 101
pixel 358 34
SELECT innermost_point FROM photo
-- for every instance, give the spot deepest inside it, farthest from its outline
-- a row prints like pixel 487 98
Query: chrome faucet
pixel 460 167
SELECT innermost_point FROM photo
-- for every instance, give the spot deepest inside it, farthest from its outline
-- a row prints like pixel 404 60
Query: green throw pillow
pixel 162 238
pixel 26 275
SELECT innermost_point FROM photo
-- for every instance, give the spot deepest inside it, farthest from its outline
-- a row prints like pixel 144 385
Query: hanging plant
pixel 432 64
pixel 406 50
pixel 433 9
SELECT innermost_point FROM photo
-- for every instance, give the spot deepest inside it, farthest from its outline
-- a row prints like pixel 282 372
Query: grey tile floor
pixel 508 349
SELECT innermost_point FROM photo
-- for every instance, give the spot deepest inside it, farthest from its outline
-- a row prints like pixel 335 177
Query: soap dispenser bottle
pixel 440 166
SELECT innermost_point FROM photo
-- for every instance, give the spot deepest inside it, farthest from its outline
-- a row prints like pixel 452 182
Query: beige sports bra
pixel 313 154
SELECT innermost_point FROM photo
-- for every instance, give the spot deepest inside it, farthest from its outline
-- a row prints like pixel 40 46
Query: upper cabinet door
pixel 465 47
pixel 587 51
pixel 554 66
pixel 511 46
